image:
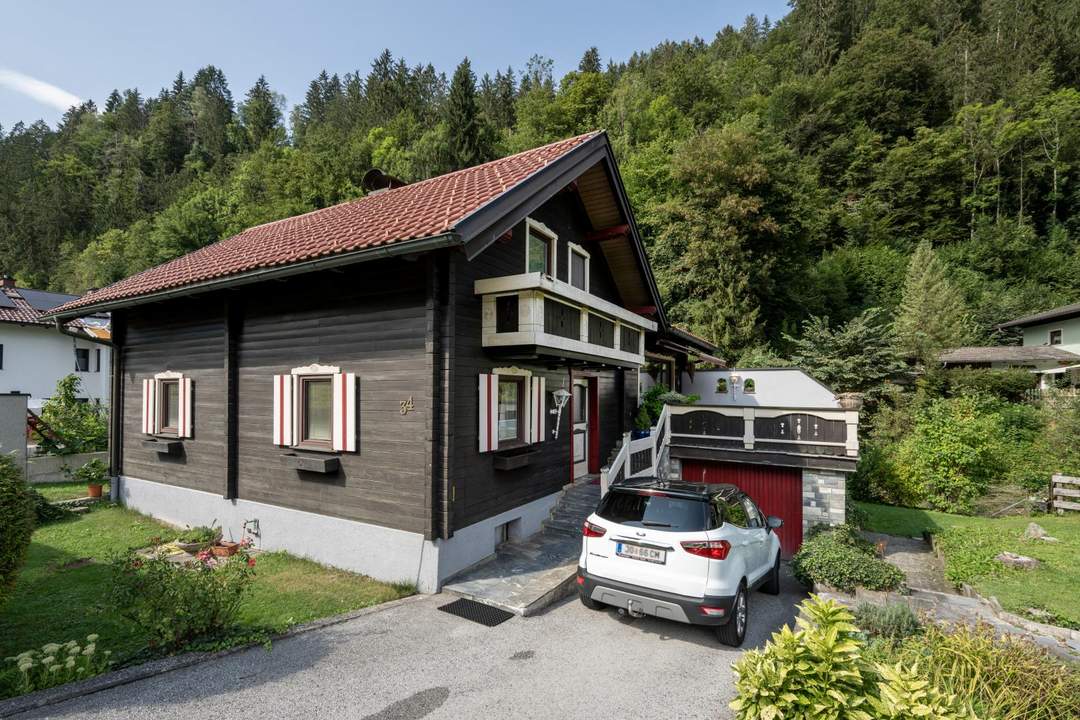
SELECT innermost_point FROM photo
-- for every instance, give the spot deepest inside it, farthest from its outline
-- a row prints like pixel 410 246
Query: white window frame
pixel 533 407
pixel 1050 336
pixel 307 372
pixel 542 229
pixel 573 248
pixel 185 409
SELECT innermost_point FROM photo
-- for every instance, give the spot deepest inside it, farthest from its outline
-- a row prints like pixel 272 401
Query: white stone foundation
pixel 383 553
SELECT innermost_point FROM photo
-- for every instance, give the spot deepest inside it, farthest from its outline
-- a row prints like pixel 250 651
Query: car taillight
pixel 712 549
pixel 590 530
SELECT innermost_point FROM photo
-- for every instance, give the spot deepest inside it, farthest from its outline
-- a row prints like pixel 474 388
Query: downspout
pixel 116 405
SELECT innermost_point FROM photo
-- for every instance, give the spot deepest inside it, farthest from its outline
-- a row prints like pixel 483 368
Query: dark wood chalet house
pixel 391 385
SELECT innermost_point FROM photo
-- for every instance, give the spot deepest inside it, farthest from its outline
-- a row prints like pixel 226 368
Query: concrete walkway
pixel 916 558
pixel 411 661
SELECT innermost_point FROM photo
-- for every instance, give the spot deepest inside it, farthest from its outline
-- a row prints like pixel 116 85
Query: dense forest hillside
pixel 782 173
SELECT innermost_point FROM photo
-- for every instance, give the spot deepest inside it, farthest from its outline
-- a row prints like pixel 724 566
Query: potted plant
pixel 197 539
pixel 93 474
pixel 642 424
pixel 225 548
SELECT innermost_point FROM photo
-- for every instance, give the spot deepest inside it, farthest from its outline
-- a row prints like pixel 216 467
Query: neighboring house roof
pixel 456 208
pixel 1007 353
pixel 22 306
pixel 1060 313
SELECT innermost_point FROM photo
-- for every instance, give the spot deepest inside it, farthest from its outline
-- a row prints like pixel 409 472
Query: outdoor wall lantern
pixel 561 397
pixel 736 385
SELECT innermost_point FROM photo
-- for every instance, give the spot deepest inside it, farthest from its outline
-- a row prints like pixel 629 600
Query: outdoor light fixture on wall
pixel 736 385
pixel 561 397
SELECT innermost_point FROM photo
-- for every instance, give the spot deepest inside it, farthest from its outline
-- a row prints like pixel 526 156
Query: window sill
pixel 326 465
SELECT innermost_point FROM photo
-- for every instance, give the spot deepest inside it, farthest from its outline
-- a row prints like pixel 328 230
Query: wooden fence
pixel 1064 493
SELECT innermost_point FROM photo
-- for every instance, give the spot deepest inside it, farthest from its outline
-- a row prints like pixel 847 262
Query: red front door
pixel 776 491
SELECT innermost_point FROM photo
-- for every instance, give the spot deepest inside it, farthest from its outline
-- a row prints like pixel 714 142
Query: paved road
pixel 411 661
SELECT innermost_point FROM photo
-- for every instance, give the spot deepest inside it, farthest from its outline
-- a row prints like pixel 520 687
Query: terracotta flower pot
pixel 93 490
pixel 225 548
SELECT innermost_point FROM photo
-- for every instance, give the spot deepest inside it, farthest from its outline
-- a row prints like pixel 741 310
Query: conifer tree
pixel 467 135
pixel 260 114
pixel 932 315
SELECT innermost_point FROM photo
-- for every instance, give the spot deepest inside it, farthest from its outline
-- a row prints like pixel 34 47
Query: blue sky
pixel 52 52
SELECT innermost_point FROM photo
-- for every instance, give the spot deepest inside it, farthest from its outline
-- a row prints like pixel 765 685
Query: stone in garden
pixel 1035 531
pixel 1011 559
pixel 1040 615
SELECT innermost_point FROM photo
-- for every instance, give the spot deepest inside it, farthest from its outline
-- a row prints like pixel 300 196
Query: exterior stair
pixel 525 576
pixel 577 503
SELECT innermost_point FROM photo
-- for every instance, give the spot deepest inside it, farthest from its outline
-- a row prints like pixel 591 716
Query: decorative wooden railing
pixel 823 433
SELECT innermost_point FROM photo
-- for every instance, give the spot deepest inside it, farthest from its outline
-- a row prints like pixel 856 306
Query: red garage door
pixel 776 490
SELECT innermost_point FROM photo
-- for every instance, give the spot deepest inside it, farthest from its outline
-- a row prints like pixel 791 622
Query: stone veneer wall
pixel 824 498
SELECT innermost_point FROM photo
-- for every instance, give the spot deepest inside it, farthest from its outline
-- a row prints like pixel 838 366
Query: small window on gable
pixel 749 386
pixel 315 409
pixel 721 386
pixel 1055 337
pixel 539 248
pixel 579 267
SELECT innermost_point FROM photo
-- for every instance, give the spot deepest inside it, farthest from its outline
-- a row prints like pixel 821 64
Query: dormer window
pixel 540 245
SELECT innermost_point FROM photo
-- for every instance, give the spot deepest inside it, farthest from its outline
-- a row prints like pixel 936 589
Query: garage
pixel 776 490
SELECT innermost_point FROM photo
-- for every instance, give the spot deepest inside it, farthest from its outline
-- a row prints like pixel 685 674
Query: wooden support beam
pixel 608 233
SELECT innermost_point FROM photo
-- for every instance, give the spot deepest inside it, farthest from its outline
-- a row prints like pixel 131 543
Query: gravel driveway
pixel 411 661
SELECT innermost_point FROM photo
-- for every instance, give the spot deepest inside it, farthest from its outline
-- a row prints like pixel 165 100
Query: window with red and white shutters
pixel 151 404
pixel 535 411
pixel 287 411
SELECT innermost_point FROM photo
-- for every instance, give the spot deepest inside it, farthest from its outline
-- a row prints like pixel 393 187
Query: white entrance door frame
pixel 580 426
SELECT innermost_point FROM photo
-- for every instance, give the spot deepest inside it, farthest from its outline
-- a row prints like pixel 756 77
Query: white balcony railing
pixel 539 311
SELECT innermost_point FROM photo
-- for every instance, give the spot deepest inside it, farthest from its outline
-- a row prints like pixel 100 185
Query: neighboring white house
pixel 759 387
pixel 35 354
pixel 1050 347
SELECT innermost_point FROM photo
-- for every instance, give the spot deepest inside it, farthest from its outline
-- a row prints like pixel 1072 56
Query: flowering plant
pixel 58 663
pixel 177 603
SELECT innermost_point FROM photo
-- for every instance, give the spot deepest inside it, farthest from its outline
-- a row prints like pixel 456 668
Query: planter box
pixel 513 459
pixel 311 463
pixel 163 447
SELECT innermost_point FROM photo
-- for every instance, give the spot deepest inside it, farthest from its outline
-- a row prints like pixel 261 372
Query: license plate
pixel 637 552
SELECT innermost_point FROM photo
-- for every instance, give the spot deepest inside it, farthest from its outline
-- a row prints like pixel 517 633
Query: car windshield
pixel 655 510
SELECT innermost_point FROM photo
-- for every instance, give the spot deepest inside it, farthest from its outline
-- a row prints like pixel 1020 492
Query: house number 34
pixel 407 406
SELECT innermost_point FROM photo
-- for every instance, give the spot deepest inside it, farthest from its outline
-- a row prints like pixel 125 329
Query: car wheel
pixel 734 632
pixel 772 585
pixel 589 602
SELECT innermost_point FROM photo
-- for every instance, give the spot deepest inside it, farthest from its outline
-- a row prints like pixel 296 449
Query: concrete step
pixel 564 527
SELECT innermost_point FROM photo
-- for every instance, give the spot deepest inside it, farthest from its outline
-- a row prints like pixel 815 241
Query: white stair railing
pixel 640 457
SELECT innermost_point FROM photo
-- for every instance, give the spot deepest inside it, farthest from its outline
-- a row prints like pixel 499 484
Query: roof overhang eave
pixel 406 247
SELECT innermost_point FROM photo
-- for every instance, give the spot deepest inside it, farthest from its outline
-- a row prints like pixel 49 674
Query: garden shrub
pixel 45 511
pixel 654 399
pixel 1006 678
pixel 58 663
pixel 894 621
pixel 16 523
pixel 176 604
pixel 819 671
pixel 82 426
pixel 840 557
pixel 874 479
pixel 1010 385
pixel 955 451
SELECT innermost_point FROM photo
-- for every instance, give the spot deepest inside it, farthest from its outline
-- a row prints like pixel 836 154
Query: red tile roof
pixel 21 312
pixel 424 209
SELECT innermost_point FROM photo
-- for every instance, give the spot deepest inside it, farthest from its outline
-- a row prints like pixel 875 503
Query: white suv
pixel 689 552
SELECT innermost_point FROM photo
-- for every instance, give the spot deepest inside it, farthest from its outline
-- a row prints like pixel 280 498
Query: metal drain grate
pixel 477 612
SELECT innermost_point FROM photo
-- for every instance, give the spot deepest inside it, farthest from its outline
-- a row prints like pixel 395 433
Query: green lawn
pixel 970 544
pixel 62 591
pixel 66 490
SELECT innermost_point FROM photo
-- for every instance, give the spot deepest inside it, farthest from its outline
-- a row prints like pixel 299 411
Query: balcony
pixel 826 439
pixel 535 315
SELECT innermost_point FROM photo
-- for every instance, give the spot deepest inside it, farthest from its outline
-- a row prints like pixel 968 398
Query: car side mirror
pixel 774 523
